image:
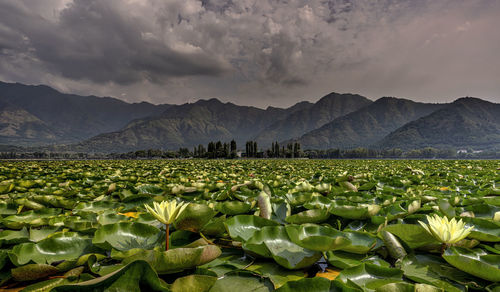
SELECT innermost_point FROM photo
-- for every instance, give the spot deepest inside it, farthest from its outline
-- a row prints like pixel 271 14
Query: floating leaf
pixel 361 211
pixel 475 262
pixel 178 259
pixel 242 282
pixel 369 276
pixel 61 246
pixel 315 237
pixel 309 216
pixel 413 235
pixel 284 251
pixel 361 242
pixel 276 273
pixel 243 227
pixel 136 276
pixel 193 283
pixel 33 272
pixel 127 235
pixel 194 217
pixel 426 269
pixel 318 284
pixel 233 207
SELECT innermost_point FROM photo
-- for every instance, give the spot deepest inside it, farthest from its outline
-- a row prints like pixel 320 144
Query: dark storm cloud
pixel 95 40
pixel 261 52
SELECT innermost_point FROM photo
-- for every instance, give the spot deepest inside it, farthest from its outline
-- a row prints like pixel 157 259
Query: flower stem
pixel 167 237
pixel 444 246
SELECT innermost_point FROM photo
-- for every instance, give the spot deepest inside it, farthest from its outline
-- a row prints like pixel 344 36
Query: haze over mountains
pixel 40 115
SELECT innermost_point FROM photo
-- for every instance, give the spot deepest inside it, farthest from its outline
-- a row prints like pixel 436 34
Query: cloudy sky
pixel 254 52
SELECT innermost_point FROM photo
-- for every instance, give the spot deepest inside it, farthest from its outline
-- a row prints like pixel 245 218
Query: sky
pixel 254 52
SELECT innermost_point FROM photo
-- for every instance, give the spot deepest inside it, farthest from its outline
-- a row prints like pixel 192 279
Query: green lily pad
pixel 110 218
pixel 194 217
pixel 8 208
pixel 127 235
pixel 233 207
pixel 6 186
pixel 284 251
pixel 150 190
pixel 361 242
pixel 361 211
pixel 277 274
pixel 33 272
pixel 318 284
pixel 475 262
pixel 370 277
pixel 243 227
pixel 242 282
pixel 198 283
pixel 96 207
pixel 309 216
pixel 215 227
pixel 344 260
pixel 484 229
pixel 14 236
pixel 60 246
pixel 135 276
pixel 407 287
pixel 33 218
pixel 424 269
pixel 37 235
pixel 315 237
pixel 176 260
pixel 413 235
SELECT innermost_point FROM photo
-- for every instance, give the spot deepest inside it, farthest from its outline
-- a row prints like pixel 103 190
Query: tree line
pixel 228 150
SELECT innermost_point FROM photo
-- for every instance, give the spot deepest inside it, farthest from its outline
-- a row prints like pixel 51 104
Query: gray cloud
pixel 260 52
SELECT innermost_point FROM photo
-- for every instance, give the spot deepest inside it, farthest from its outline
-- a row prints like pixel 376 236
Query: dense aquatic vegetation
pixel 250 225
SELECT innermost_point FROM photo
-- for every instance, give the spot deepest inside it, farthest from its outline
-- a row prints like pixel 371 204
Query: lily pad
pixel 176 260
pixel 361 211
pixel 309 216
pixel 198 283
pixel 484 229
pixel 243 227
pixel 277 274
pixel 426 269
pixel 318 284
pixel 61 246
pixel 475 262
pixel 315 237
pixel 361 242
pixel 136 276
pixel 413 235
pixel 370 277
pixel 242 282
pixel 33 272
pixel 344 260
pixel 233 207
pixel 284 251
pixel 194 217
pixel 127 235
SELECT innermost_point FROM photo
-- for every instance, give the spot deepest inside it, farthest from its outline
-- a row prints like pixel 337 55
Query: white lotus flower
pixel 444 230
pixel 167 211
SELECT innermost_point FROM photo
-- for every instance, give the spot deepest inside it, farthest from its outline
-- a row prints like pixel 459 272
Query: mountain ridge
pixel 367 125
pixel 72 117
pixel 31 116
pixel 325 110
pixel 467 122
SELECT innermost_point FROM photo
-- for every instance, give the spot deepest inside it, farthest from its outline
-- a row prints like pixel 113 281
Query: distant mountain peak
pixel 470 99
pixel 392 99
pixel 212 100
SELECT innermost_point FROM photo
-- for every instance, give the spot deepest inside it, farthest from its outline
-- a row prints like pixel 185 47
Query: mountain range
pixel 36 115
pixel 40 115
